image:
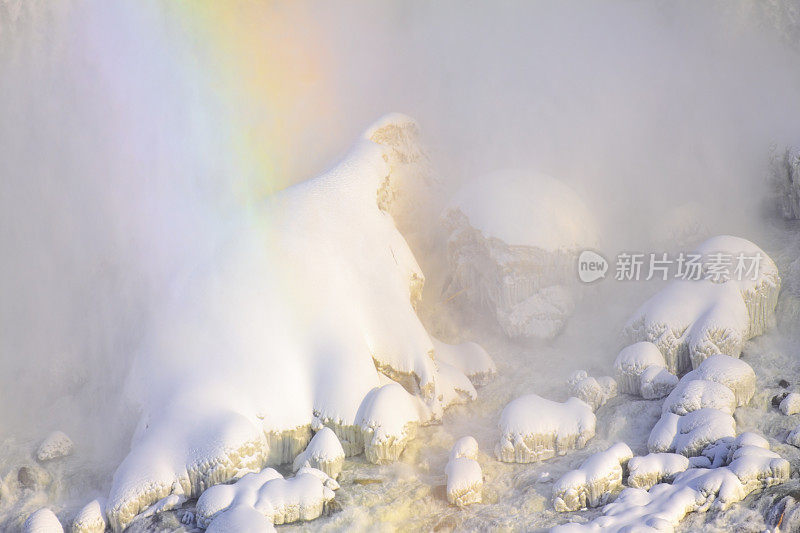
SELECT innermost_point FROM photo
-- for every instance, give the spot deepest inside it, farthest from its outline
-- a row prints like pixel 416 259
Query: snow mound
pixel 632 361
pixel 690 433
pixel 42 521
pixel 287 329
pixel 751 467
pixel 791 404
pixel 689 320
pixel 464 476
pixel 697 394
pixel 241 518
pixel 514 240
pixel 533 428
pixel 469 358
pixel 281 501
pixel 57 444
pixel 654 468
pixel 594 482
pixel 91 518
pixel 734 373
pixel 324 452
pixel 594 391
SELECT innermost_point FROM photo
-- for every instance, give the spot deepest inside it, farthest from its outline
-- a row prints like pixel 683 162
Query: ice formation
pixel 514 240
pixel 689 320
pixel 91 518
pixel 694 394
pixel 533 428
pixel 324 452
pixel 289 328
pixel 640 370
pixel 749 466
pixel 656 382
pixel 594 391
pixel 654 468
pixel 594 482
pixel 464 476
pixel 791 404
pixel 55 445
pixel 735 374
pixel 302 497
pixel 469 358
pixel 42 521
pixel 794 437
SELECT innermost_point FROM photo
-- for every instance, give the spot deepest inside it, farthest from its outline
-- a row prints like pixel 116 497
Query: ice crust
pixel 57 444
pixel 533 428
pixel 748 467
pixel 594 391
pixel 308 302
pixel 324 452
pixel 514 238
pixel 42 521
pixel 91 518
pixel 689 320
pixel 302 497
pixel 632 361
pixel 654 468
pixel 594 482
pixel 464 475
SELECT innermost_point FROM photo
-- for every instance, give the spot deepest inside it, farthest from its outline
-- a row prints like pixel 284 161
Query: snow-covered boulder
pixel 324 452
pixel 654 468
pixel 56 444
pixel 689 320
pixel 734 373
pixel 464 476
pixel 656 382
pixel 288 327
pixel 513 244
pixel 690 433
pixel 791 404
pixel 91 518
pixel 594 482
pixel 633 361
pixel 691 395
pixel 388 418
pixel 469 358
pixel 241 518
pixel 42 521
pixel 533 428
pixel 302 497
pixel 594 391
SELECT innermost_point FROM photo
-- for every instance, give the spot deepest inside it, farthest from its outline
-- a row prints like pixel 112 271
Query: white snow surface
pixel 533 428
pixel 653 468
pixel 324 452
pixel 91 518
pixel 632 361
pixel 287 329
pixel 42 521
pixel 463 473
pixel 594 391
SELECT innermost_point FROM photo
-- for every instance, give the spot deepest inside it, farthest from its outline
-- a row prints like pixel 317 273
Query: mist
pixel 133 135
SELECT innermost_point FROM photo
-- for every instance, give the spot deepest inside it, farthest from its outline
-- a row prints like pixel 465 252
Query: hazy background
pixel 131 131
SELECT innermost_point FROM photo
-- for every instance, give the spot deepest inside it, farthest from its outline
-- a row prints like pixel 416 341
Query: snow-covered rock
pixel 42 521
pixel 594 482
pixel 241 518
pixel 288 327
pixel 302 497
pixel 514 240
pixel 691 395
pixel 734 373
pixel 56 444
pixel 388 418
pixel 324 452
pixel 654 468
pixel 91 518
pixel 689 320
pixel 464 476
pixel 469 358
pixel 791 404
pixel 594 391
pixel 632 361
pixel 656 382
pixel 533 428
pixel 690 433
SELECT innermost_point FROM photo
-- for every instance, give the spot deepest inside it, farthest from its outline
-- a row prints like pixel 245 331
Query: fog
pixel 132 134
